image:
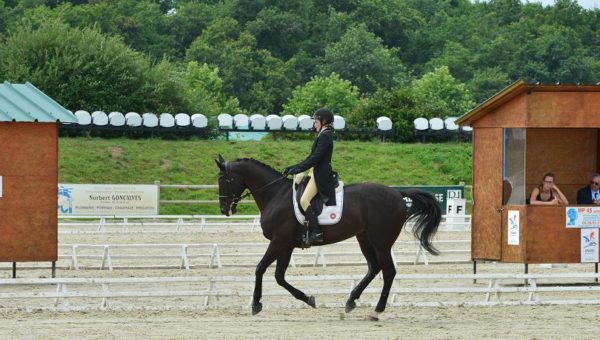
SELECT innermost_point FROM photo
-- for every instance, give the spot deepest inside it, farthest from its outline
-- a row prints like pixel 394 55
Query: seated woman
pixel 547 193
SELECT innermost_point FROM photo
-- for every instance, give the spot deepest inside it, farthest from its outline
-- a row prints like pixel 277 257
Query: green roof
pixel 26 103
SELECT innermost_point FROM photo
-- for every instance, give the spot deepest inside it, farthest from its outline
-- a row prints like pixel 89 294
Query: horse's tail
pixel 426 214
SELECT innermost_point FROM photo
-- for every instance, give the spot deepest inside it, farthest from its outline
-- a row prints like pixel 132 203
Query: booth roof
pixel 513 90
pixel 26 103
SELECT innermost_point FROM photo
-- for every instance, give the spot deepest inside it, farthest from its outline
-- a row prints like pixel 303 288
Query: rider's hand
pixel 290 170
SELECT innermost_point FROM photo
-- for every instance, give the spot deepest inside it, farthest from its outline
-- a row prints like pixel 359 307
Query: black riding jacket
pixel 320 160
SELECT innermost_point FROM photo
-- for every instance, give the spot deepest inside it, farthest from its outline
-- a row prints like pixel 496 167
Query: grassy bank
pixel 126 161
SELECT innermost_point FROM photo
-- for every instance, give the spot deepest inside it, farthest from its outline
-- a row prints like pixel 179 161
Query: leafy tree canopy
pixel 204 90
pixel 337 94
pixel 260 81
pixel 85 69
pixel 438 94
pixel 361 57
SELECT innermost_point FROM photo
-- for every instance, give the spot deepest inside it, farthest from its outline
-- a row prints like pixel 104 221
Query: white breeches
pixel 309 192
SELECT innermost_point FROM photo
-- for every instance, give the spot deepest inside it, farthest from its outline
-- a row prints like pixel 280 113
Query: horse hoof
pixel 256 308
pixel 373 316
pixel 350 305
pixel 311 302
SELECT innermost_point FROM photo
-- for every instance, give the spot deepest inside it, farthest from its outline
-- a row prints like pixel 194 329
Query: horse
pixel 373 213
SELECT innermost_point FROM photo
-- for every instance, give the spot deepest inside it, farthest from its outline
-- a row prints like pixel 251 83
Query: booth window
pixel 513 166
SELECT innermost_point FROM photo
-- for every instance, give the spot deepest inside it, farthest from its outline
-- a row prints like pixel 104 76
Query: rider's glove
pixel 290 170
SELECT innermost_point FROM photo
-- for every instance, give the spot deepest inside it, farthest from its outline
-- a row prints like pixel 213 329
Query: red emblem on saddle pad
pixel 332 216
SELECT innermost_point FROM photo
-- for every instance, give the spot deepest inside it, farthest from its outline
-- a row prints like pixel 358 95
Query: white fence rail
pixel 217 255
pixel 195 223
pixel 158 223
pixel 227 291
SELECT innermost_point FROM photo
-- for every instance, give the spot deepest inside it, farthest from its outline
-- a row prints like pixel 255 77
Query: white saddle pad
pixel 330 214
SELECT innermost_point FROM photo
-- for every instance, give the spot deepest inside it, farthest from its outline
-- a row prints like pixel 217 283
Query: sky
pixel 587 4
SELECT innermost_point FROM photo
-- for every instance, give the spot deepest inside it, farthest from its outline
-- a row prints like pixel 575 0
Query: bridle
pixel 235 199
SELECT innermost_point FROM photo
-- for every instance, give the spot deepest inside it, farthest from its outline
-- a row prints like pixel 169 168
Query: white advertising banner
pixel 589 245
pixel 0 186
pixel 513 227
pixel 107 199
pixel 582 217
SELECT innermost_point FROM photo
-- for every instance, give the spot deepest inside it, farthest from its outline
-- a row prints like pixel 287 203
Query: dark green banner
pixel 441 192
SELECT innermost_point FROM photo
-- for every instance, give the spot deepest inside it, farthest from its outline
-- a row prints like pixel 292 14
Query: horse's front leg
pixel 282 264
pixel 270 256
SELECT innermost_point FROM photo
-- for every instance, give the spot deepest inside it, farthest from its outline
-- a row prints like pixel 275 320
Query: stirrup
pixel 305 243
pixel 315 238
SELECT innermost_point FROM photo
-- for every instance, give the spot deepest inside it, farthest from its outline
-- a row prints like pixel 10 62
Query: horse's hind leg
pixel 388 268
pixel 282 264
pixel 369 253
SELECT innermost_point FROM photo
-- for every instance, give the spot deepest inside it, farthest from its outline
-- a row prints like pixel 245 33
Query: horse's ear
pixel 220 162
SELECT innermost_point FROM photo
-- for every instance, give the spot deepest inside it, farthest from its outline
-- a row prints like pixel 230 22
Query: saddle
pixel 327 214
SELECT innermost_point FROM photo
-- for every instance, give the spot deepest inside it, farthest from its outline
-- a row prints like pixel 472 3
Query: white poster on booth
pixel 0 186
pixel 455 207
pixel 589 245
pixel 513 227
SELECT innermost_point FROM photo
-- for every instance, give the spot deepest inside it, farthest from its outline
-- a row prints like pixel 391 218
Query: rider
pixel 322 176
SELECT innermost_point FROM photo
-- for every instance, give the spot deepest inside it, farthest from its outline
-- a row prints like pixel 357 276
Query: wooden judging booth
pixel 520 134
pixel 29 174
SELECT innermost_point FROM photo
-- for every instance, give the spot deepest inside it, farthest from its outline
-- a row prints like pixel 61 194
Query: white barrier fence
pixel 217 255
pixel 196 223
pixel 228 291
pixel 158 223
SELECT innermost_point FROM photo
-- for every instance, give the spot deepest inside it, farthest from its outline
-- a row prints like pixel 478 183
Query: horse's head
pixel 231 187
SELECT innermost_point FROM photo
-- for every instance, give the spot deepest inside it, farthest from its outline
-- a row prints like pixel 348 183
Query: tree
pixel 204 90
pixel 246 10
pixel 460 61
pixel 488 82
pixel 191 18
pixel 163 90
pixel 141 23
pixel 506 11
pixel 4 18
pixel 398 104
pixel 260 81
pixel 438 94
pixel 360 57
pixel 29 15
pixel 331 26
pixel 395 22
pixel 337 94
pixel 280 32
pixel 559 52
pixel 83 69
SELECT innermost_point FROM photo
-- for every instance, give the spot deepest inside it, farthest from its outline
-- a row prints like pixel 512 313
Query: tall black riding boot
pixel 315 234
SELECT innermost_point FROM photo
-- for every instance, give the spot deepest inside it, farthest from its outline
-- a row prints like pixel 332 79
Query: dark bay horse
pixel 373 213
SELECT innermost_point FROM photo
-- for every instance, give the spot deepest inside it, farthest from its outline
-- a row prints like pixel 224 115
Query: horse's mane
pixel 259 163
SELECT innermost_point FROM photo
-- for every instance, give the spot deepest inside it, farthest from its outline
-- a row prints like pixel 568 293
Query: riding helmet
pixel 324 115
